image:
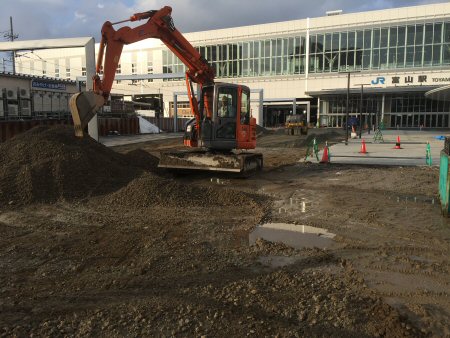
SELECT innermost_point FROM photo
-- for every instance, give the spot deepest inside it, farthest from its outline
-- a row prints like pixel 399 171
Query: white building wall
pixel 274 87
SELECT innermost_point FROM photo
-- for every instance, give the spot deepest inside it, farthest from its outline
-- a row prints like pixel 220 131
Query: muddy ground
pixel 134 251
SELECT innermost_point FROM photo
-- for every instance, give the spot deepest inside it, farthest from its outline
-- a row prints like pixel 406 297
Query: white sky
pixel 40 19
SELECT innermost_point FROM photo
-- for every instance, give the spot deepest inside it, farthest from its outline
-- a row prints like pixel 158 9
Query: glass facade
pixel 281 56
pixel 406 110
pixel 393 47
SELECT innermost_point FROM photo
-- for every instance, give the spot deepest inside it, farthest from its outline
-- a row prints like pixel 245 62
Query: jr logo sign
pixel 379 80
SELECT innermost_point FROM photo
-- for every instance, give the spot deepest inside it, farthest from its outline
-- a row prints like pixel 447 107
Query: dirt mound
pixel 262 131
pixel 152 190
pixel 142 159
pixel 321 137
pixel 49 163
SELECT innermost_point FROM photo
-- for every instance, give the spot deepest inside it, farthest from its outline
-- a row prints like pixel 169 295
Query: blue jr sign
pixel 379 80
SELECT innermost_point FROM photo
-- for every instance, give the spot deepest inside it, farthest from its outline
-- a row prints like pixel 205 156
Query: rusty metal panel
pixel 9 129
pixel 125 125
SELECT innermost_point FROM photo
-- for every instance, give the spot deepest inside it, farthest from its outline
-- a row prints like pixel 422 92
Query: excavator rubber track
pixel 243 163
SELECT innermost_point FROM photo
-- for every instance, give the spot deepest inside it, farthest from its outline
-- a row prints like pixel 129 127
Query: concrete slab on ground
pixel 413 152
pixel 111 141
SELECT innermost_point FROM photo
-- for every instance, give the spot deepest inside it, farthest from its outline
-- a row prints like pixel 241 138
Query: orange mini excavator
pixel 222 127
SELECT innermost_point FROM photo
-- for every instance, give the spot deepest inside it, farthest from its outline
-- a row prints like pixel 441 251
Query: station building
pixel 383 60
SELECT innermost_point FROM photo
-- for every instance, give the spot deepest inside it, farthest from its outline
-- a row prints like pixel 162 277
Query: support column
pixel 175 113
pixel 318 112
pixel 89 50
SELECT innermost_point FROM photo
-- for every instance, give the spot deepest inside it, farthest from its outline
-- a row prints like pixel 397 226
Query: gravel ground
pixel 106 245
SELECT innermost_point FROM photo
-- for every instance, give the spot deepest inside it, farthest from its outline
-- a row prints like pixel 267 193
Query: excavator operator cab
pixel 226 123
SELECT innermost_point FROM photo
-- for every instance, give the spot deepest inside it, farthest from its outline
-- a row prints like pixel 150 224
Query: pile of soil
pixel 142 159
pixel 153 190
pixel 262 131
pixel 46 164
pixel 321 138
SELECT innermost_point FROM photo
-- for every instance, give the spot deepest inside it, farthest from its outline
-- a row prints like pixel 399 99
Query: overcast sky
pixel 40 19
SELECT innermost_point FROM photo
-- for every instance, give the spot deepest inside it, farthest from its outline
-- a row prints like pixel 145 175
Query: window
pixel 401 36
pixel 227 102
pixel 68 73
pixel 245 108
pixel 437 36
pixel 410 35
pixel 83 71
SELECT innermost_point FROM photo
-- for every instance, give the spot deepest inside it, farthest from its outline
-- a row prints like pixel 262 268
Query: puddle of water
pixel 302 204
pixel 414 199
pixel 420 259
pixel 295 236
pixel 277 261
pixel 219 181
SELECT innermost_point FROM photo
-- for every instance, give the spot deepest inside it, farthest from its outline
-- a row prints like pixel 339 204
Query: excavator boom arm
pixel 160 26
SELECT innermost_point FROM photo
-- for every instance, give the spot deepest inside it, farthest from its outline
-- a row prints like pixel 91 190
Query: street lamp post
pixel 347 108
pixel 348 102
pixel 360 111
pixel 361 108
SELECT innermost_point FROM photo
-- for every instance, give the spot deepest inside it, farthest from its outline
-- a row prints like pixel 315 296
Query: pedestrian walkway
pixel 413 150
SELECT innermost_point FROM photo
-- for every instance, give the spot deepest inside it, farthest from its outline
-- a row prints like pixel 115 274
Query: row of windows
pixel 405 103
pixel 420 45
pixel 397 36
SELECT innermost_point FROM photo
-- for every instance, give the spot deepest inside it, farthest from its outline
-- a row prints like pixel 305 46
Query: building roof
pixel 28 76
pixel 44 44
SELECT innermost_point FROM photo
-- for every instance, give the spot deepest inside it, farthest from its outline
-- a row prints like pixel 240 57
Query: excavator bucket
pixel 204 160
pixel 84 106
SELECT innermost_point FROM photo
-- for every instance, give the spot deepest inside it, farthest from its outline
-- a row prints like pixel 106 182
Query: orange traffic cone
pixel 326 155
pixel 397 144
pixel 363 147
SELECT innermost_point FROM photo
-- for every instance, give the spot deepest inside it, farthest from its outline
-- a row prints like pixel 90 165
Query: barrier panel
pixel 124 126
pixel 9 129
pixel 444 183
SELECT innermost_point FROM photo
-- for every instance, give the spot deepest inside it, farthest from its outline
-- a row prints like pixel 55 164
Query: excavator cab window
pixel 227 102
pixel 245 108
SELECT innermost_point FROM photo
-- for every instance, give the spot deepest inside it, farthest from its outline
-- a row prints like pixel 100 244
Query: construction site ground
pixel 97 241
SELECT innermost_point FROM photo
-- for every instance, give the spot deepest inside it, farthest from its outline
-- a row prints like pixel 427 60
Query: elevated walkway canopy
pixel 439 94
